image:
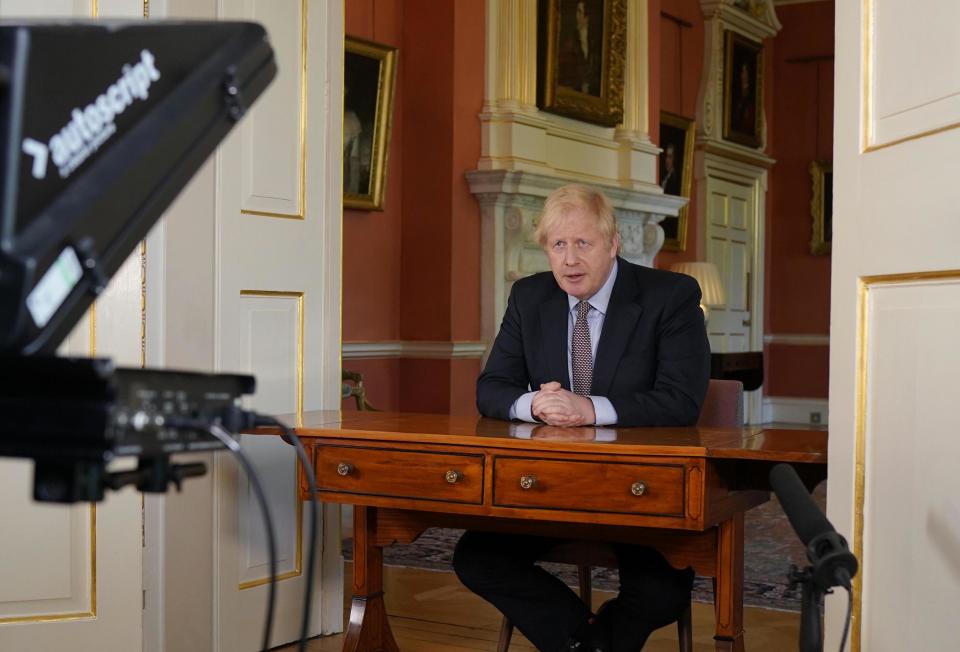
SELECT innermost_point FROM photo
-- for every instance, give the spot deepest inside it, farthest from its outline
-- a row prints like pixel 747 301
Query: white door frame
pixel 325 160
pixel 719 166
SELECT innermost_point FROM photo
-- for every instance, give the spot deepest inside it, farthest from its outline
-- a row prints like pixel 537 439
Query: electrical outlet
pixel 814 417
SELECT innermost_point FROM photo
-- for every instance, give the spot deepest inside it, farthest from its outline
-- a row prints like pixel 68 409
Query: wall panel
pixel 273 133
pixel 909 540
pixel 906 99
pixel 48 571
pixel 272 326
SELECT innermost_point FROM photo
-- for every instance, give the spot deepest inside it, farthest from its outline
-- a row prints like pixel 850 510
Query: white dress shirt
pixel 602 407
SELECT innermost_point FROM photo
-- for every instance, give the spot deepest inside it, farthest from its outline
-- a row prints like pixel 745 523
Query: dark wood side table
pixel 745 366
pixel 683 490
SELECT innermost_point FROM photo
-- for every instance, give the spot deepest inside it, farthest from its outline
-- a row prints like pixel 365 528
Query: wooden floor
pixel 432 612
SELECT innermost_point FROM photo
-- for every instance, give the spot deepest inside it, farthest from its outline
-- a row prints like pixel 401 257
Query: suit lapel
pixel 623 311
pixel 553 325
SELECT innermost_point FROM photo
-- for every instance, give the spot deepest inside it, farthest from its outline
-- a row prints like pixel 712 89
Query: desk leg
pixel 728 600
pixel 369 629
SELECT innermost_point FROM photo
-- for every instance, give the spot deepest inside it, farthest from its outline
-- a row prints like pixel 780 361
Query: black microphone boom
pixel 831 562
pixel 805 517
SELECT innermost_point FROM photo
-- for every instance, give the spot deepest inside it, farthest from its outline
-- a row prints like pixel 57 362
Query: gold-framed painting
pixel 369 71
pixel 821 207
pixel 582 59
pixel 676 174
pixel 742 90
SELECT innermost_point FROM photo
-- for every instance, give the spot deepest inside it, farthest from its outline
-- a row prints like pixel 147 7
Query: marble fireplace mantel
pixel 510 203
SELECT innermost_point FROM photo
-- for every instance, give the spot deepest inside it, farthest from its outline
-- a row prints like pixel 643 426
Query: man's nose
pixel 570 256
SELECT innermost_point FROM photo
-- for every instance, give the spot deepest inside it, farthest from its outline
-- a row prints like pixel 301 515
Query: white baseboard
pixel 783 409
pixel 797 339
pixel 413 349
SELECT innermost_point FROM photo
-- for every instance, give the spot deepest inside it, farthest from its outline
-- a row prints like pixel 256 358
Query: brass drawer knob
pixel 638 488
pixel 527 481
pixel 344 469
pixel 452 476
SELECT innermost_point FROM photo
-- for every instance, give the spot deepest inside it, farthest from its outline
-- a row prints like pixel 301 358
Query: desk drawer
pixel 371 471
pixel 616 487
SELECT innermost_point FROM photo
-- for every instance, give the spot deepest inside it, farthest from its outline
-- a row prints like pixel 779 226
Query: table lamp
pixel 708 277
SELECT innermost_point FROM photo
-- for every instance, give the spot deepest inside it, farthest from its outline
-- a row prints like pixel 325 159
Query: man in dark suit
pixel 599 341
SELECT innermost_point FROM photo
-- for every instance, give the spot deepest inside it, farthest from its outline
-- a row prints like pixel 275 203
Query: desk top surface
pixel 748 443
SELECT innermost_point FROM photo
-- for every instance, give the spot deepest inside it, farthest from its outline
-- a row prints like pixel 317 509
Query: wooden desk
pixel 682 490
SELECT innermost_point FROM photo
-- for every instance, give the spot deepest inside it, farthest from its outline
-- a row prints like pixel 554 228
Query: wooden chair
pixel 722 406
pixel 352 385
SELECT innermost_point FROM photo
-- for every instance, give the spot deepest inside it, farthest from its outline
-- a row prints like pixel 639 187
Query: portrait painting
pixel 581 63
pixel 821 207
pixel 676 174
pixel 742 90
pixel 368 82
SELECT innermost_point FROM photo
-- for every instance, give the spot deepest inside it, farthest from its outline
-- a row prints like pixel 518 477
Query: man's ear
pixel 615 245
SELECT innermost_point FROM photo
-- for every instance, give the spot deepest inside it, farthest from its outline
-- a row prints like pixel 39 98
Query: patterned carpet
pixel 770 546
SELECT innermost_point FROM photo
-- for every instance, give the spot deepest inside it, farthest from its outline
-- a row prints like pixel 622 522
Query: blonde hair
pixel 576 196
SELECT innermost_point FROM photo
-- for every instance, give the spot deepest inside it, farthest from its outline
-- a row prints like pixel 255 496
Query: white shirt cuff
pixel 521 408
pixel 604 411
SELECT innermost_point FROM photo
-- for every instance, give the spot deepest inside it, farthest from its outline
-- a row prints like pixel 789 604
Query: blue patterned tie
pixel 581 353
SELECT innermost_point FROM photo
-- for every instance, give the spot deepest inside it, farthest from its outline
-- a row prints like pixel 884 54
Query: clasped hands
pixel 556 406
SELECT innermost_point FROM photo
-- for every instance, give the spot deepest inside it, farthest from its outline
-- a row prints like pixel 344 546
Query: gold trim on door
pixel 302 195
pixel 298 565
pixel 92 613
pixel 299 297
pixel 864 285
pixel 78 615
pixel 869 83
pixel 92 341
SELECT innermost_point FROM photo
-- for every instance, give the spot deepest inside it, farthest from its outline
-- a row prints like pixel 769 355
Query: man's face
pixel 668 158
pixel 579 256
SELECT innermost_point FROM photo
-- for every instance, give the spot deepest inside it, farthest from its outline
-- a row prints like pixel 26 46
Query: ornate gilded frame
pixel 688 126
pixel 605 110
pixel 370 197
pixel 821 207
pixel 752 139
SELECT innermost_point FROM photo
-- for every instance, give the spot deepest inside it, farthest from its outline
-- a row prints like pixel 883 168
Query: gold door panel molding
pixel 905 444
pixel 907 91
pixel 274 135
pixel 272 323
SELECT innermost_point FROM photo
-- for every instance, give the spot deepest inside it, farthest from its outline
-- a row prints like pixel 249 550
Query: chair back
pixel 723 404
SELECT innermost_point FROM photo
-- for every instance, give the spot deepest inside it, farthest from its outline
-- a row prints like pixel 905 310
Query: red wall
pixel 371 251
pixel 799 114
pixel 412 272
pixel 797 292
pixel 678 42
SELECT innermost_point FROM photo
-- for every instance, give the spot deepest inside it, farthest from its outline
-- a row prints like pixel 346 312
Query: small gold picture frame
pixel 742 90
pixel 821 207
pixel 676 174
pixel 581 65
pixel 368 82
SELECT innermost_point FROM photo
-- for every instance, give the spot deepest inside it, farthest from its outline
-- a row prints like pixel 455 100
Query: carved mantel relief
pixel 511 202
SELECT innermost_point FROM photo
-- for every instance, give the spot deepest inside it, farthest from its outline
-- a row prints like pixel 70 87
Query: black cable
pixel 264 420
pixel 237 420
pixel 846 626
pixel 227 440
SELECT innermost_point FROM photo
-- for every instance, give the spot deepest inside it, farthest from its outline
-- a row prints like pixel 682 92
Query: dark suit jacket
pixel 653 358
